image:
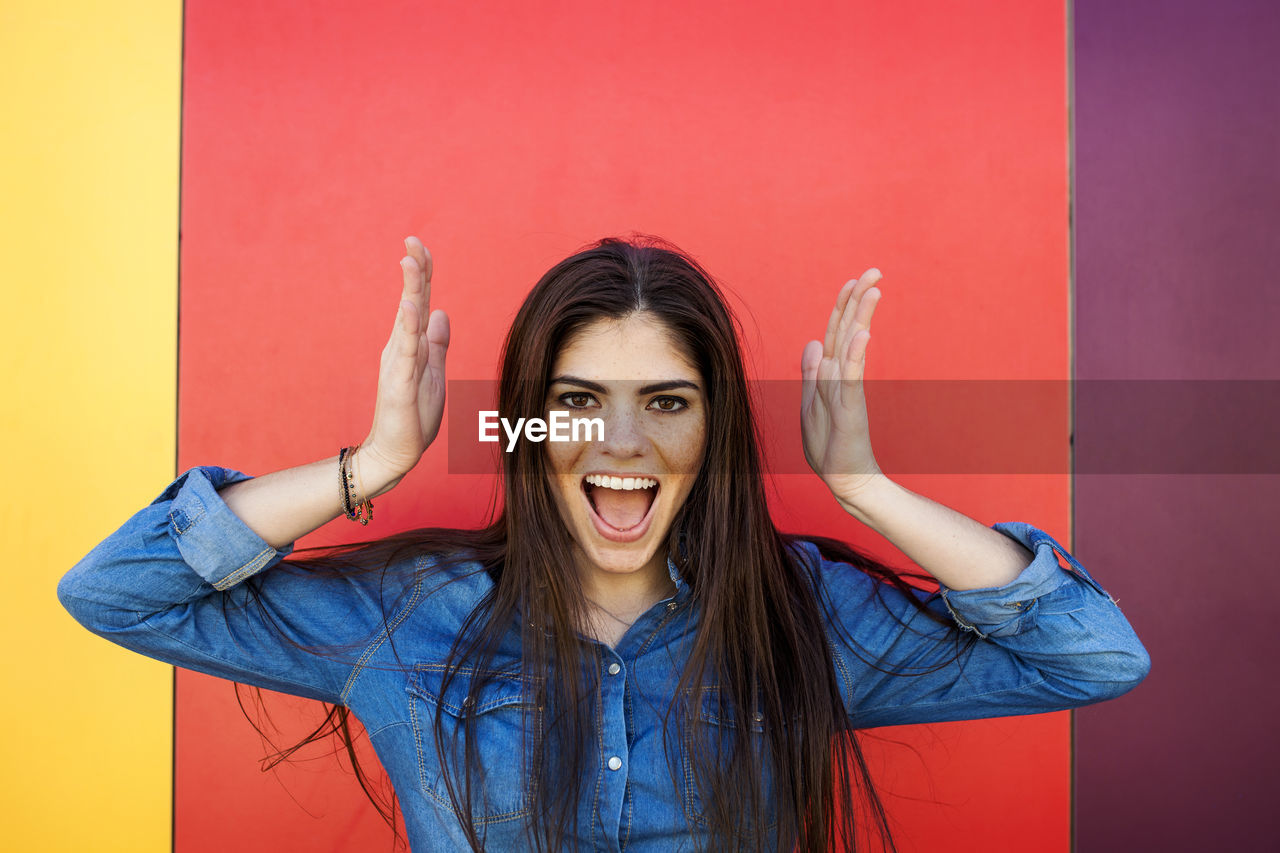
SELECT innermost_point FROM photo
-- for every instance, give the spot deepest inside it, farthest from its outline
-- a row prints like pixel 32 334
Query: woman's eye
pixel 669 404
pixel 576 400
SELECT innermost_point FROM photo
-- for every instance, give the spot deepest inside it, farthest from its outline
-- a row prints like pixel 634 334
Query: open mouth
pixel 621 507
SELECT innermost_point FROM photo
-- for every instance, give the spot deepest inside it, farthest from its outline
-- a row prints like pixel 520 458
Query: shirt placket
pixel 615 753
pixel 612 818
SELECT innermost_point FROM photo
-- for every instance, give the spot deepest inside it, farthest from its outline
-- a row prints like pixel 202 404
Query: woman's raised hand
pixel 411 381
pixel 833 410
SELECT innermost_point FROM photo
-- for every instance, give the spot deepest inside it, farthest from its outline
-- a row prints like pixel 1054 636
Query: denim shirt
pixel 168 584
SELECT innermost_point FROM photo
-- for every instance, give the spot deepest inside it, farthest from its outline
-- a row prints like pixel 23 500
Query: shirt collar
pixel 682 588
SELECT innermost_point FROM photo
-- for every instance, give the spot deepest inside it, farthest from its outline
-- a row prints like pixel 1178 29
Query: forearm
pixel 283 506
pixel 960 552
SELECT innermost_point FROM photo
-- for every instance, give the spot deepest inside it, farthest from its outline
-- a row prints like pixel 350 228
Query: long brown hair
pixel 760 648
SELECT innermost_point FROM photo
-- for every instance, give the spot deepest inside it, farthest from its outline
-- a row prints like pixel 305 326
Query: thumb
pixel 809 362
pixel 810 359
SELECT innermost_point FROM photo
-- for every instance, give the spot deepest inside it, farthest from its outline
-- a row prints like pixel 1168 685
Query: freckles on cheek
pixel 684 446
pixel 563 456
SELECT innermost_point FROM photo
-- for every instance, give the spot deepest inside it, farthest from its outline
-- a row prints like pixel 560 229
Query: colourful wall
pixel 89 120
pixel 1178 203
pixel 787 147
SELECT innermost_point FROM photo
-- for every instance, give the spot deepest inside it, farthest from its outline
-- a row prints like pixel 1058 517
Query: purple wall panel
pixel 1177 130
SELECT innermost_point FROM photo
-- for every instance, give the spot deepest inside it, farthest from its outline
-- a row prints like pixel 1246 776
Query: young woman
pixel 632 655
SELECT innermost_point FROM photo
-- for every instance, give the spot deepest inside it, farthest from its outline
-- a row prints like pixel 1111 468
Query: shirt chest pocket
pixel 500 712
pixel 708 745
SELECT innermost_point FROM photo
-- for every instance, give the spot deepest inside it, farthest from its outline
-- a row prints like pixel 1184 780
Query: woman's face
pixel 619 495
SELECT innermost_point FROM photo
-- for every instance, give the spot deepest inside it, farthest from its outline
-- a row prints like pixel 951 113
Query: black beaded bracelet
pixel 352 507
pixel 343 495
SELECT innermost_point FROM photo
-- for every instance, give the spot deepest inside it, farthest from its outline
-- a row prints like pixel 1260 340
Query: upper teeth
pixel 626 483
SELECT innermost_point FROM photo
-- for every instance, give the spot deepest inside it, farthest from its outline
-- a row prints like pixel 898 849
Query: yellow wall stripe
pixel 89 157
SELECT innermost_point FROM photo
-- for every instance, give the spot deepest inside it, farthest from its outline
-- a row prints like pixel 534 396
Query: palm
pixel 833 412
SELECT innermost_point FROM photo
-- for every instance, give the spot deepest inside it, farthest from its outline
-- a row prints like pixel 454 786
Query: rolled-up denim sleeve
pixel 211 538
pixel 1049 640
pixel 171 584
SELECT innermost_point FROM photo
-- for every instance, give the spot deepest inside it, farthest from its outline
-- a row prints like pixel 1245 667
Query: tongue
pixel 621 509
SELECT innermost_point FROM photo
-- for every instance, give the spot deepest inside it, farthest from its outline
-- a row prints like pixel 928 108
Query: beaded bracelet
pixel 343 496
pixel 353 507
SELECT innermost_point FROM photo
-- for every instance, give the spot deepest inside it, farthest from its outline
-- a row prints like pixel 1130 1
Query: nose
pixel 623 434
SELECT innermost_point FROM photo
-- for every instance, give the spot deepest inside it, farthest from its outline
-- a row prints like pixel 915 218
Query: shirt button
pixel 614 669
pixel 672 606
pixel 615 763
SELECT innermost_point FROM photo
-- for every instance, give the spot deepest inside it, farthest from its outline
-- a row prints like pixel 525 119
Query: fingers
pixel 854 339
pixel 841 354
pixel 858 317
pixel 842 299
pixel 431 387
pixel 865 285
pixel 869 278
pixel 858 311
pixel 405 338
pixel 847 302
pixel 419 253
pixel 855 357
pixel 416 268
pixel 437 339
pixel 423 267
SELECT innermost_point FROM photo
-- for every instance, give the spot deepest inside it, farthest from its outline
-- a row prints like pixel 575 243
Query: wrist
pixel 374 475
pixel 861 495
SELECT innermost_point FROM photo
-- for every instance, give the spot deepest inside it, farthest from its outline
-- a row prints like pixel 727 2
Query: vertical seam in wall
pixel 177 435
pixel 1071 370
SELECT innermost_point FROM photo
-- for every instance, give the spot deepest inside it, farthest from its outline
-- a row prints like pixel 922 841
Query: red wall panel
pixel 787 147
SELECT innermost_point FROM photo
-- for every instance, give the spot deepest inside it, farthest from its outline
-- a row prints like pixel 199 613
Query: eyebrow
pixel 652 388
